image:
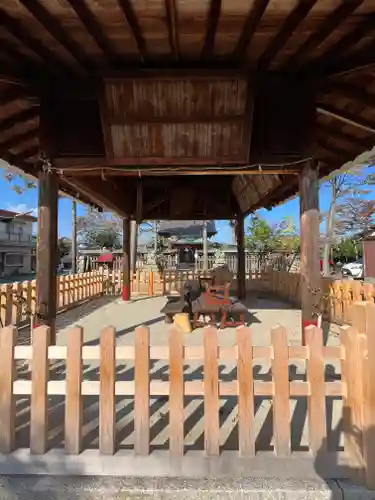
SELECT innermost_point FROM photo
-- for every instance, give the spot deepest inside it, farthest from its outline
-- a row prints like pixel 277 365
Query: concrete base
pixel 55 476
pixel 109 488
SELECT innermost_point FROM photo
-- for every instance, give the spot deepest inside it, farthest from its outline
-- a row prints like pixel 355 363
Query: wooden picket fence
pixel 357 388
pixel 337 296
pixel 18 300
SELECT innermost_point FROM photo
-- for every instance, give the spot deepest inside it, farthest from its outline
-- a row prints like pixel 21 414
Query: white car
pixel 353 270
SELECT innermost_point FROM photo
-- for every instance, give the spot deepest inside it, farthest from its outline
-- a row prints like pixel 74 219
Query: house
pixel 185 239
pixel 17 243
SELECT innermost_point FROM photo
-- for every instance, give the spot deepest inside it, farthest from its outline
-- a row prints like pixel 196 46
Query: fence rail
pixel 18 300
pixel 356 387
pixel 337 296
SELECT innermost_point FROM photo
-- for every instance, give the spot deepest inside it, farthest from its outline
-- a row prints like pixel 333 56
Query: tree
pixel 99 230
pixel 262 237
pixel 349 212
pixel 64 247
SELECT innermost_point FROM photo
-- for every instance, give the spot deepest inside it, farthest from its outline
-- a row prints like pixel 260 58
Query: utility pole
pixel 205 247
pixel 74 236
pixel 134 245
pixel 155 236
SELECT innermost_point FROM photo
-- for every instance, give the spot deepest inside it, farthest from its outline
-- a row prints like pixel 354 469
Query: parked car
pixel 353 270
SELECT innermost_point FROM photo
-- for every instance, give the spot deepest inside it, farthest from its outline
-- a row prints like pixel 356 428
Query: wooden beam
pixel 150 172
pixel 94 27
pixel 46 283
pixel 342 155
pixel 329 130
pixel 22 116
pixel 20 32
pixel 334 53
pixel 151 120
pixel 289 26
pixel 251 23
pixel 350 91
pixel 172 22
pixel 52 25
pixel 330 23
pixel 346 117
pixel 12 94
pixel 126 278
pixel 310 255
pixel 132 20
pixel 15 141
pixel 362 60
pixel 211 26
pixel 22 156
pixel 107 197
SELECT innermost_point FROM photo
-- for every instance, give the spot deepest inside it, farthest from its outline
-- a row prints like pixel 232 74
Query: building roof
pixel 8 215
pixel 186 88
pixel 184 228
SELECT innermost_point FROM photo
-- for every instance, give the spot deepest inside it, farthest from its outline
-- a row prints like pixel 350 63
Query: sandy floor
pixel 125 317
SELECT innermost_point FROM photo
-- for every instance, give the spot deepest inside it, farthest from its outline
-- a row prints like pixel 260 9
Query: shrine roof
pixel 175 78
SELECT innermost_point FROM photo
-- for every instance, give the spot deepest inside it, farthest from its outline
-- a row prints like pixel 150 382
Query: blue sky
pixel 29 201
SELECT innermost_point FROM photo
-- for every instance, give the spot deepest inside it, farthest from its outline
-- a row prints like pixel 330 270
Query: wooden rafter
pixel 325 29
pixel 172 21
pixel 50 23
pixel 339 153
pixel 346 117
pixel 11 95
pixel 19 139
pixel 132 20
pixel 334 53
pixel 362 60
pixel 211 26
pixel 350 91
pixel 18 31
pixel 251 23
pixel 93 26
pixel 30 66
pixel 22 116
pixel 341 136
pixel 22 156
pixel 287 29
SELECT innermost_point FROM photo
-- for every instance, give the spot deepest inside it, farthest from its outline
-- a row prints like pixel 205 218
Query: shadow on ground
pixel 194 411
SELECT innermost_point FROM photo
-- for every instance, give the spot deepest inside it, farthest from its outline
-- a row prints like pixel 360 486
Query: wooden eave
pixel 79 44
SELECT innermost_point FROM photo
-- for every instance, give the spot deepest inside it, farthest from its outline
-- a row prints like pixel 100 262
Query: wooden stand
pixel 46 256
pixel 310 261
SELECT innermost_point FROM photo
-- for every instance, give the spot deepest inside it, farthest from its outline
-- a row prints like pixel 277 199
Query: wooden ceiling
pixel 74 44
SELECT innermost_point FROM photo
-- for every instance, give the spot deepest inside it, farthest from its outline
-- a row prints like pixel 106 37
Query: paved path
pixel 125 317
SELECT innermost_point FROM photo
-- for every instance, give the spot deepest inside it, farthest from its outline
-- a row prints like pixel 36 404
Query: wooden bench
pixel 229 314
pixel 173 306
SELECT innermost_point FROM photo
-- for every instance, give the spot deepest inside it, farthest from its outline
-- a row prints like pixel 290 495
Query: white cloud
pixel 22 208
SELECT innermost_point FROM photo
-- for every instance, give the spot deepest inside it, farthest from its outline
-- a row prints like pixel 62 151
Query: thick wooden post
pixel 241 267
pixel 126 281
pixel 46 282
pixel 310 260
pixel 74 236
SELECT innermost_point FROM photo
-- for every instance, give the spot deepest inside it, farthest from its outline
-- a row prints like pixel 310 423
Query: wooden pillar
pixel 47 255
pixel 134 246
pixel 241 269
pixel 126 279
pixel 310 254
pixel 74 237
